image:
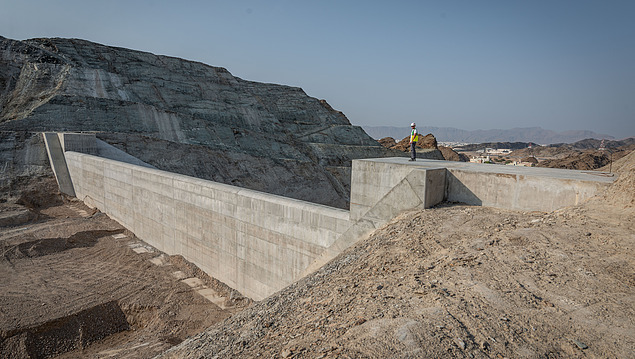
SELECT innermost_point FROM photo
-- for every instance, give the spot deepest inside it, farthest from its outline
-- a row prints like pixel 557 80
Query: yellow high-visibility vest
pixel 414 135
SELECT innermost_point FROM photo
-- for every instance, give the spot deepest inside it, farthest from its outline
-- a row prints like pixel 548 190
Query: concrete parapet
pixel 379 192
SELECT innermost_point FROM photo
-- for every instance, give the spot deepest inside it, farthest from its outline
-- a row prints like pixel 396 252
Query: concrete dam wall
pixel 254 242
pixel 259 243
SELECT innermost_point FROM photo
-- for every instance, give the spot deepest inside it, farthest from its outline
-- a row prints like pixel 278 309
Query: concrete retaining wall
pixel 259 243
pixel 255 242
pixel 527 192
pixel 371 181
pixel 509 187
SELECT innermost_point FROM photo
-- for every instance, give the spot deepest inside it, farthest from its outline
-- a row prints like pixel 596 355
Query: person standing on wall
pixel 414 138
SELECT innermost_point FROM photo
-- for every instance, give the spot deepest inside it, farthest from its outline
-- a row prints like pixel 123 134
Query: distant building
pixel 499 151
pixel 521 164
pixel 480 159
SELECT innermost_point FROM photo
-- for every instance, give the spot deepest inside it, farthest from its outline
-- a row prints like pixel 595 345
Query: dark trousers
pixel 413 150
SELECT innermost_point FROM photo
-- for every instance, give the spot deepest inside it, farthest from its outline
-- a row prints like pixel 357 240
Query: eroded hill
pixel 183 116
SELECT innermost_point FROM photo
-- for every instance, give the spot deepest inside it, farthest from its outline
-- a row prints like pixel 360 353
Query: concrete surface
pixel 252 241
pixel 259 243
pixel 107 151
pixel 511 187
pixel 58 163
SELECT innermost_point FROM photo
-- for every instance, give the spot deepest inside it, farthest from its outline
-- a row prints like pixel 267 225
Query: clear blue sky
pixel 557 64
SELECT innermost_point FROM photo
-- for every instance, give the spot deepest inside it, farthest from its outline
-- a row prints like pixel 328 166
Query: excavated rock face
pixel 273 137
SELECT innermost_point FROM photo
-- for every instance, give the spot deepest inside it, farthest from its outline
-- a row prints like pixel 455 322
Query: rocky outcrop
pixel 529 159
pixel 183 116
pixel 451 155
pixel 587 160
pixel 23 164
pixel 428 143
pixel 387 142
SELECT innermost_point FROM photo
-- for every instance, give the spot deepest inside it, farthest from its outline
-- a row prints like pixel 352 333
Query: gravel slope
pixel 458 281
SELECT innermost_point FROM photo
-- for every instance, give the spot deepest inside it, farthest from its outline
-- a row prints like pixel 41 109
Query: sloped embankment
pixel 457 281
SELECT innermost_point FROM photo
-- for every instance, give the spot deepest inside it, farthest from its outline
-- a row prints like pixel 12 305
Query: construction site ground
pixel 74 283
pixel 458 282
pixel 451 281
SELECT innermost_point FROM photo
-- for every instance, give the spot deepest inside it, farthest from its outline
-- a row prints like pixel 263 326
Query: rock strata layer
pixel 184 116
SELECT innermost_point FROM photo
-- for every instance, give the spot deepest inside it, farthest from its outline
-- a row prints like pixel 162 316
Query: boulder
pixel 450 155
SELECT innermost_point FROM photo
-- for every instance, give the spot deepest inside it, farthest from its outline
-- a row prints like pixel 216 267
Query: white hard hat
pixel 413 124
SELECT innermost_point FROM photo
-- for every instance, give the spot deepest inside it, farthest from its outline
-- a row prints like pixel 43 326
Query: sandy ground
pixel 451 281
pixel 74 281
pixel 458 282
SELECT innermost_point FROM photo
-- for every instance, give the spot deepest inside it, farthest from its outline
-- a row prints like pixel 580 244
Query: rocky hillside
pixel 592 143
pixel 180 116
pixel 450 134
pixel 495 145
pixel 581 155
pixel 458 282
pixel 428 144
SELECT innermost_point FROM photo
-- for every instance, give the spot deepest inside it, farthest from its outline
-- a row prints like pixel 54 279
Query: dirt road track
pixel 74 281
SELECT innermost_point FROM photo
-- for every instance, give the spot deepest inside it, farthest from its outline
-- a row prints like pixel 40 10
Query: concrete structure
pixel 58 143
pixel 252 241
pixel 519 188
pixel 55 152
pixel 259 243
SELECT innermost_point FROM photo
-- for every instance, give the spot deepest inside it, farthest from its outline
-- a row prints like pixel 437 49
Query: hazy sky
pixel 557 64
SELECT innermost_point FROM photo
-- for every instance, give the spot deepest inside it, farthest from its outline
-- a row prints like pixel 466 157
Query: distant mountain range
pixel 450 134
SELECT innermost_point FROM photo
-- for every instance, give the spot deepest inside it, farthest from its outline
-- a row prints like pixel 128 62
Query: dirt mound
pixel 14 214
pixel 65 334
pixel 453 281
pixel 39 192
pixel 622 192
